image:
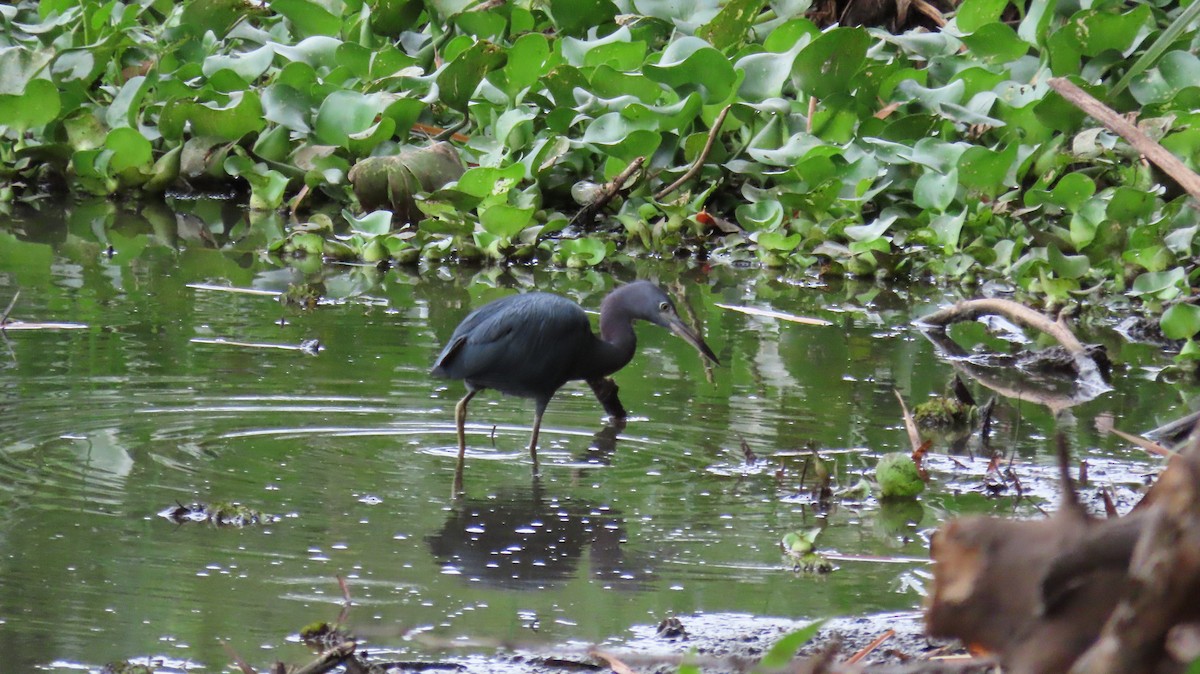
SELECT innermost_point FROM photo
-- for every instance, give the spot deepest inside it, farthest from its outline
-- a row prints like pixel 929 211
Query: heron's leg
pixel 605 390
pixel 460 422
pixel 539 410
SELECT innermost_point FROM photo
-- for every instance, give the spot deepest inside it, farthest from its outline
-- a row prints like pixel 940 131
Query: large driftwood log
pixel 1072 593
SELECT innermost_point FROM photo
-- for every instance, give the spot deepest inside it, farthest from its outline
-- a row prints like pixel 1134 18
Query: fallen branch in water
pixel 1080 359
pixel 969 310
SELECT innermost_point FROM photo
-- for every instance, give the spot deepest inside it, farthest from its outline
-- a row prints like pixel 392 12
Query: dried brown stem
pixel 610 190
pixel 1147 146
pixel 699 163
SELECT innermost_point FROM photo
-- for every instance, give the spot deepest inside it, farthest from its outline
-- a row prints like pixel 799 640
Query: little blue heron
pixel 529 345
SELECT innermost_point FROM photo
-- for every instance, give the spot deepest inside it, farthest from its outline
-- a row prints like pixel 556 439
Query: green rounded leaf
pixel 1181 321
pixel 829 63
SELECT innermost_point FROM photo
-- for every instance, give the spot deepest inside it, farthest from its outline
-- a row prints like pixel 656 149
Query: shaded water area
pixel 353 451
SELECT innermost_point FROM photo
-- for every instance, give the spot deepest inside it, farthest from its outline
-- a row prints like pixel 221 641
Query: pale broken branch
pixel 1144 144
pixel 1020 314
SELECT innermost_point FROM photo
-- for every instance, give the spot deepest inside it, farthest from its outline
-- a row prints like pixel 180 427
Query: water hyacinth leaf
pixel 674 117
pixel 986 170
pixel 129 147
pixel 485 181
pixel 996 42
pixel 1085 221
pixel 514 128
pixel 1163 285
pixel 948 228
pixel 374 223
pixel 217 16
pixel 84 131
pixel 485 24
pixel 975 14
pixel 621 137
pixel 392 17
pixel 730 26
pixel 1067 266
pixel 287 107
pixel 308 18
pixel 1071 192
pixel 763 215
pixel 459 79
pixel 1177 71
pixel 827 64
pixel 778 241
pixel 344 113
pixel 872 231
pixel 575 50
pixel 1180 321
pixel 318 51
pixel 580 253
pixel 609 83
pixel 1130 204
pixel 691 64
pixel 526 62
pixel 1096 31
pixel 935 191
pixel 38 105
pixel 363 142
pixel 74 65
pixel 273 145
pixel 1179 241
pixel 243 115
pixel 765 74
pixel 126 104
pixel 574 17
pixel 266 185
pixel 248 65
pixel 505 221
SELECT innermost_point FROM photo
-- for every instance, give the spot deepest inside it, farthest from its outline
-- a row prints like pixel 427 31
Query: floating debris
pixel 309 347
pixel 771 313
pixel 219 514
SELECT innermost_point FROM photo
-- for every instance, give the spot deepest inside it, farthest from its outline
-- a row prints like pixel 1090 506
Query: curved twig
pixel 699 163
pixel 969 310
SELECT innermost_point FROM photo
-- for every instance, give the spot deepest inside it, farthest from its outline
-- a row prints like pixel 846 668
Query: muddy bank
pixel 718 643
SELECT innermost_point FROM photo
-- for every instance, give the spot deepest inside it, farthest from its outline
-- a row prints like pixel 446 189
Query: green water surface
pixel 353 451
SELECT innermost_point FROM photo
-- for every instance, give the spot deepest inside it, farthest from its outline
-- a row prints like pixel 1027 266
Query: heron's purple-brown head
pixel 646 301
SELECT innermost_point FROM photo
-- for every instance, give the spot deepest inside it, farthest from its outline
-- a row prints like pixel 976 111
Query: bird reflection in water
pixel 521 539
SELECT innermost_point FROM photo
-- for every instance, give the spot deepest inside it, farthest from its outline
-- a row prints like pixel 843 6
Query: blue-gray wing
pixel 526 345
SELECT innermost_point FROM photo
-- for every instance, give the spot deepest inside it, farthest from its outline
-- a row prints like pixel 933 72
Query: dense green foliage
pixel 941 153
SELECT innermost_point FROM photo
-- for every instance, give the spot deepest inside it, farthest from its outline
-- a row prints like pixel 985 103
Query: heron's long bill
pixel 678 327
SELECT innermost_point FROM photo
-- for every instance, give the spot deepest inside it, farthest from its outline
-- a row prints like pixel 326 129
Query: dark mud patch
pixel 717 643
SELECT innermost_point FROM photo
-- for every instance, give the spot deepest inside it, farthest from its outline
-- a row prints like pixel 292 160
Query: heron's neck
pixel 617 338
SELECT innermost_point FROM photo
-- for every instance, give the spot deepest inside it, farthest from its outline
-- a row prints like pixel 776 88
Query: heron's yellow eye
pixel 663 306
